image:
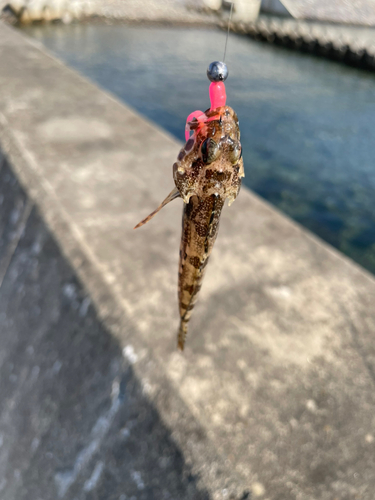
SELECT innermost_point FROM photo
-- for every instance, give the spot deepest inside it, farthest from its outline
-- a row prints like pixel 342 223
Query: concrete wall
pixel 361 12
pixel 274 7
pixel 27 11
pixel 273 397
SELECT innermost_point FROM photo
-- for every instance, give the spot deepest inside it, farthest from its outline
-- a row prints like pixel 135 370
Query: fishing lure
pixel 208 171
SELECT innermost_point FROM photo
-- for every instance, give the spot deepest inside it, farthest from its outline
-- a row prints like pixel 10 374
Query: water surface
pixel 307 124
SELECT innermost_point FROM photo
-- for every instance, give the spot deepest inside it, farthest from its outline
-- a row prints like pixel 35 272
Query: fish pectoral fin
pixel 172 196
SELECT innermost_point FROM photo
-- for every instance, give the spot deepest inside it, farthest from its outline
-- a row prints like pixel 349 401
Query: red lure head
pixel 217 72
pixel 218 96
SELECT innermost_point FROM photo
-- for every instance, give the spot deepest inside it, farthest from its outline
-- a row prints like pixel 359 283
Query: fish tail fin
pixel 172 196
pixel 182 332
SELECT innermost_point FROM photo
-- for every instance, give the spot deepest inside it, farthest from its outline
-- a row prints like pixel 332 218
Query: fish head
pixel 211 160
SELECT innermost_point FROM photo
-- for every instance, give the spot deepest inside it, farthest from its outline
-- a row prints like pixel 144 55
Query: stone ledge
pixel 281 351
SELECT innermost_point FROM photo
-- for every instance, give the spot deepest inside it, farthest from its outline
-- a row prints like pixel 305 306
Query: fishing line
pixel 226 40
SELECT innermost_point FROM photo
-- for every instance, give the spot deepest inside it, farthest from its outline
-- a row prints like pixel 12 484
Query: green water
pixel 307 124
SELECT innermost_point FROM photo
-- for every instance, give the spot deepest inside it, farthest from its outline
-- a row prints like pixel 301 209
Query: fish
pixel 209 169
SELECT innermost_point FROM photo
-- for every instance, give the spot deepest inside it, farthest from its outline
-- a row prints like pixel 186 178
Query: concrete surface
pixel 75 421
pixel 165 11
pixel 339 11
pixel 273 397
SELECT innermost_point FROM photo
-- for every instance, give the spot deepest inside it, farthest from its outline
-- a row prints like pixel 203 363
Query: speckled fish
pixel 208 171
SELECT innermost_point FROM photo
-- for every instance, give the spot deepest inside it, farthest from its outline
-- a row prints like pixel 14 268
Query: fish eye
pixel 236 153
pixel 209 151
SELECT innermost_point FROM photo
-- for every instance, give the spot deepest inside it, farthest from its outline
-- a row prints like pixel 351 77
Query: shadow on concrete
pixel 74 420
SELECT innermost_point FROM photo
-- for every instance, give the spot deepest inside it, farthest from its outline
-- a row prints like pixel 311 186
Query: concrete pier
pixel 274 396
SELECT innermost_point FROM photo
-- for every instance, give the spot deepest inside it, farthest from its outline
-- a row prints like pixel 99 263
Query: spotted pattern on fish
pixel 196 253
